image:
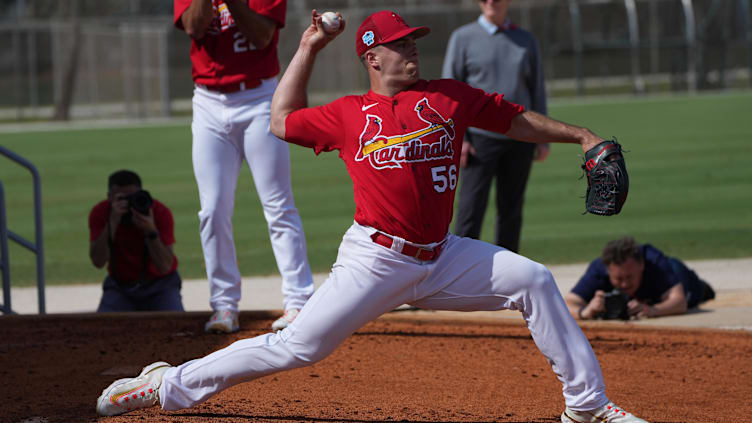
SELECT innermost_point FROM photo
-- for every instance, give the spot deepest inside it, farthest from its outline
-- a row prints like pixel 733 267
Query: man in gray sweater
pixel 496 56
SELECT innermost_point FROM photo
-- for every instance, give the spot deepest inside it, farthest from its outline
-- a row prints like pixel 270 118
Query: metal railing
pixel 5 234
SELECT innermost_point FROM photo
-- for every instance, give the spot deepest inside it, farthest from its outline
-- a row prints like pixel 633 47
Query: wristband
pixel 579 313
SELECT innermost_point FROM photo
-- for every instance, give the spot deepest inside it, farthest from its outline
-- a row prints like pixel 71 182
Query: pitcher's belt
pixel 420 253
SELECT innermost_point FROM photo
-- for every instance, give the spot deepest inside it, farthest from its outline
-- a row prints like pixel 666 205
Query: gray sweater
pixel 505 61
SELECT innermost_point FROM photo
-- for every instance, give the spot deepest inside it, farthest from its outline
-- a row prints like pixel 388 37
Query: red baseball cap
pixel 384 27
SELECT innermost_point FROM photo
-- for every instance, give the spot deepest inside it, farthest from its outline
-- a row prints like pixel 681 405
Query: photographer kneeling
pixel 133 234
pixel 634 281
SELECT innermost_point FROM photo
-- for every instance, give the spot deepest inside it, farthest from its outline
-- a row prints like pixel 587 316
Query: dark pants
pixel 159 295
pixel 696 290
pixel 509 163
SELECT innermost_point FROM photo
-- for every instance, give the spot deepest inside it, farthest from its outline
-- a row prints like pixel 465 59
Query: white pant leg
pixel 216 162
pixel 366 281
pixel 474 275
pixel 268 158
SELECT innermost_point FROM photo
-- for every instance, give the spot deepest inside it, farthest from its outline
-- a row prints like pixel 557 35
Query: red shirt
pixel 224 55
pixel 129 242
pixel 403 152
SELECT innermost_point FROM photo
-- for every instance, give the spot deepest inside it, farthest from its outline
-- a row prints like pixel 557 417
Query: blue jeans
pixel 159 295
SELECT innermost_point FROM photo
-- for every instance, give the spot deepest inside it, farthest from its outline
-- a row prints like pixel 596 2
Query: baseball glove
pixel 608 182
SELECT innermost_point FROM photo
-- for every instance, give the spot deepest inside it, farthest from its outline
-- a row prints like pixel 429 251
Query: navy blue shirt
pixel 657 278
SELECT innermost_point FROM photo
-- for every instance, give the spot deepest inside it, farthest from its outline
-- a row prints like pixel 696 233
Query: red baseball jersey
pixel 129 241
pixel 403 152
pixel 224 55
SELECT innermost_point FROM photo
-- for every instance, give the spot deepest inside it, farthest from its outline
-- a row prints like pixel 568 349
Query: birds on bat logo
pixel 389 151
pixel 427 114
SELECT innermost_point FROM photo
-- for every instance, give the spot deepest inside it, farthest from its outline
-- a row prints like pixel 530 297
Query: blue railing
pixel 5 234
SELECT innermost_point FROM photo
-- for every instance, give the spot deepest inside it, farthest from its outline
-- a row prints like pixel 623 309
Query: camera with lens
pixel 140 201
pixel 616 306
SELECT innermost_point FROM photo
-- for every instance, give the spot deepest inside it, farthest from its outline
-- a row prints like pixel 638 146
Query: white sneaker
pixel 129 394
pixel 286 319
pixel 223 321
pixel 609 413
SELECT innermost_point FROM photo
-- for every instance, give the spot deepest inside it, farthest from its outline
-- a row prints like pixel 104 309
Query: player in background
pixel 234 56
pixel 400 143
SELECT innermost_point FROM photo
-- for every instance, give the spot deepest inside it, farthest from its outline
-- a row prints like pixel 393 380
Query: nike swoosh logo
pixel 114 399
pixel 364 108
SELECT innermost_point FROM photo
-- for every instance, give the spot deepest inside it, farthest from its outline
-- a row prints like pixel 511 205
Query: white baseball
pixel 330 21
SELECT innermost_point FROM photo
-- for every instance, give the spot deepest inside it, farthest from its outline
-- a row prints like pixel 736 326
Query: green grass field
pixel 688 159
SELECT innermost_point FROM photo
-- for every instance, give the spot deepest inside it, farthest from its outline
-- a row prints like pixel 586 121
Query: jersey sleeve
pixel 320 127
pixel 492 113
pixel 97 221
pixel 275 10
pixel 595 278
pixel 484 110
pixel 272 9
pixel 179 7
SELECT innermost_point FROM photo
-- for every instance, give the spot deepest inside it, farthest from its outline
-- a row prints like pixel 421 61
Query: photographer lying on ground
pixel 133 234
pixel 634 281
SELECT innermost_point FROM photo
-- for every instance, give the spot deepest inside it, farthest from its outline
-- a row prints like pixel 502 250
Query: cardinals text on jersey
pixel 389 151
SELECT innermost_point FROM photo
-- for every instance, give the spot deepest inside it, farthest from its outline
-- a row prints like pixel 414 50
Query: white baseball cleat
pixel 286 319
pixel 129 394
pixel 223 321
pixel 609 413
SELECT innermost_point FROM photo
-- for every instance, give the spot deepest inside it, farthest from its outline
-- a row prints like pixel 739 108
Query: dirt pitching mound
pixel 403 367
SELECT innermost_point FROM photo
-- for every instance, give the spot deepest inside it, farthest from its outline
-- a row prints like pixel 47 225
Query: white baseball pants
pixel 228 128
pixel 368 280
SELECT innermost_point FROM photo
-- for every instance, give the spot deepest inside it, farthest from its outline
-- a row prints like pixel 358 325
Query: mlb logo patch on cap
pixel 367 38
pixel 384 27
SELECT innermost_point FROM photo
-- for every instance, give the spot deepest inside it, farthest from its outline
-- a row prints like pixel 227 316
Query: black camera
pixel 140 201
pixel 616 306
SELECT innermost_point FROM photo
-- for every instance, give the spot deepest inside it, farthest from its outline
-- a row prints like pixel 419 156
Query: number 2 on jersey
pixel 443 178
pixel 241 43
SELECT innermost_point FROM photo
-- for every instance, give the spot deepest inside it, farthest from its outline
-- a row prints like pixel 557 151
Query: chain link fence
pixel 101 59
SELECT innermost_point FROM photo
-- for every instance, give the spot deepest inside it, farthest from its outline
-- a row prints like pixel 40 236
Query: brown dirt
pixel 403 367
